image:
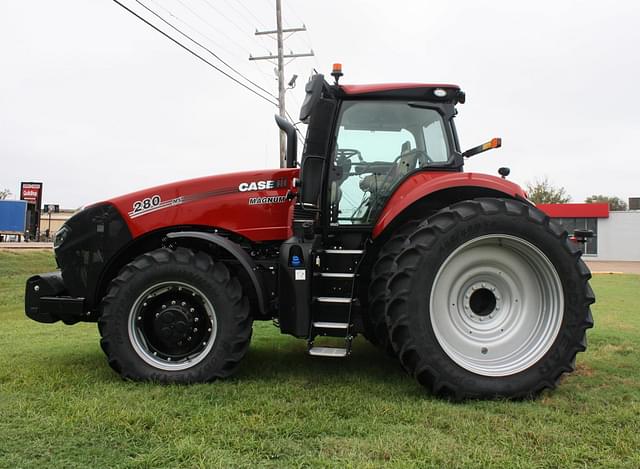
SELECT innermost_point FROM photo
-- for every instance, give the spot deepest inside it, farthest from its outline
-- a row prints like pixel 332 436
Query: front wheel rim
pixel 496 305
pixel 172 326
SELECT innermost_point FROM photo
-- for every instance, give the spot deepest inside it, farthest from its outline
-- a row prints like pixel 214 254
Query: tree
pixel 615 203
pixel 5 194
pixel 541 191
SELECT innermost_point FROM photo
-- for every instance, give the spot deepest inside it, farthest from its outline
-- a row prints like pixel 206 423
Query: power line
pixel 300 136
pixel 195 30
pixel 205 48
pixel 239 12
pixel 210 5
pixel 308 42
pixel 258 20
pixel 193 52
pixel 213 27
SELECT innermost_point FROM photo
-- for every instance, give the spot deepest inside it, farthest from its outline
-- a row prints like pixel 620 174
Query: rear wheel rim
pixel 172 326
pixel 496 305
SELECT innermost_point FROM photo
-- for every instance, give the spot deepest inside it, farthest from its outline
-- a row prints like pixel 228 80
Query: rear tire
pixel 175 316
pixel 375 326
pixel 489 299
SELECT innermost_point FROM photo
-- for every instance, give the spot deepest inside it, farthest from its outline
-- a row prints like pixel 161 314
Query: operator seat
pixel 407 161
pixel 404 164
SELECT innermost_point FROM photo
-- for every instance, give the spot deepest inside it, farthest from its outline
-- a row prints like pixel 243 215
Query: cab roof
pixel 403 90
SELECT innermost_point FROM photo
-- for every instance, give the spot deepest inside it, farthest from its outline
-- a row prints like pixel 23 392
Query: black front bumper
pixel 46 300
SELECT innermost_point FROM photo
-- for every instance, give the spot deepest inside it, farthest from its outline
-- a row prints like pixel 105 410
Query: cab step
pixel 333 299
pixel 330 325
pixel 331 352
pixel 344 251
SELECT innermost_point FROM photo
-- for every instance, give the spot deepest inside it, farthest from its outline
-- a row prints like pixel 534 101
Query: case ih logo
pixel 262 185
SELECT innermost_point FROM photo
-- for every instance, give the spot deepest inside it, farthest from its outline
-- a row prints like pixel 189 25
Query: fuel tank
pixel 252 204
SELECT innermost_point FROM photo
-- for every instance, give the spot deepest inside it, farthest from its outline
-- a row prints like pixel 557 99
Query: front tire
pixel 489 299
pixel 175 316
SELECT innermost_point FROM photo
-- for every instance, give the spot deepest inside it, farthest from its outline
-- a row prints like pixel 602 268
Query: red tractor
pixel 378 231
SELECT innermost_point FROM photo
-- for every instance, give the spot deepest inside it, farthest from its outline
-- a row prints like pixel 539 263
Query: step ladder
pixel 333 287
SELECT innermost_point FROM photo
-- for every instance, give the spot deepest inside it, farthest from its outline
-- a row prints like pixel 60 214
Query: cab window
pixel 378 143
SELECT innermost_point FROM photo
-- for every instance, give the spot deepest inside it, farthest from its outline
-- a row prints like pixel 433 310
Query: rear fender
pixel 437 189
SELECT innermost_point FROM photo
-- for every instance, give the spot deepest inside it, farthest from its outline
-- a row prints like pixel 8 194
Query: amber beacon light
pixel 336 73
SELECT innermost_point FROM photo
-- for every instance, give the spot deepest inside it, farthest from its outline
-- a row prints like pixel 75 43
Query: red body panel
pixel 360 89
pixel 221 202
pixel 424 183
pixel 600 210
pixel 216 201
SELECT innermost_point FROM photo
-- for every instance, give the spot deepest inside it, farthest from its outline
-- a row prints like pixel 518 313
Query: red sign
pixel 31 192
pixel 597 210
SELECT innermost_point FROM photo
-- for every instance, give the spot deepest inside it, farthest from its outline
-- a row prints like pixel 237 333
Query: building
pixel 615 233
pixel 50 223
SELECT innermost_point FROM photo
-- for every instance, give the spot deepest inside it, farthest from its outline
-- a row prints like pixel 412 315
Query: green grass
pixel 62 406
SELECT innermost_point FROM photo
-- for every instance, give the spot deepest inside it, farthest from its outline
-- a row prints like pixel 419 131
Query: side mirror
pixel 311 182
pixel 494 143
pixel 313 90
pixel 292 141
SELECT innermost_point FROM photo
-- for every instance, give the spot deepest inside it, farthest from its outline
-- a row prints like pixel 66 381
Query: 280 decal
pixel 151 204
pixel 146 204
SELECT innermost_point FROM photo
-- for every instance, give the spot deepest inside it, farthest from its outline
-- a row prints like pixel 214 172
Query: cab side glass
pixel 378 144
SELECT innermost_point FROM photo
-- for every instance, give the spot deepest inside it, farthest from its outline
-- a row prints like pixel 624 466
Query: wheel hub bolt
pixel 196 319
pixel 164 306
pixel 183 303
pixel 173 302
pixel 484 350
pixel 139 318
pixel 195 329
pixel 157 315
pixel 192 310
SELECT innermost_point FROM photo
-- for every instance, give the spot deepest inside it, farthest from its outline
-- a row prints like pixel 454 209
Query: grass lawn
pixel 62 406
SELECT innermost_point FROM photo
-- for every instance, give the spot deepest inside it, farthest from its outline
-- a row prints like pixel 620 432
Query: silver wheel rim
pixel 181 299
pixel 496 305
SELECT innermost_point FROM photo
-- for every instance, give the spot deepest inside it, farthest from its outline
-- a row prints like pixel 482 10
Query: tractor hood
pixel 252 204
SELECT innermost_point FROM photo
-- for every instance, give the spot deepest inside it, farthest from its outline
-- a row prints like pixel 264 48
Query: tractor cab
pixel 363 142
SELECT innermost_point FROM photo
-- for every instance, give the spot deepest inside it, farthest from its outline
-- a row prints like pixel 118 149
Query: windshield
pixel 379 142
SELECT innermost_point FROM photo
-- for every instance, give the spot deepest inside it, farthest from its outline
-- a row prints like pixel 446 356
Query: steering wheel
pixel 348 153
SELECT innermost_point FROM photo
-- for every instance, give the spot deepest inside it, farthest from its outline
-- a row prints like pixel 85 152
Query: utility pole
pixel 280 64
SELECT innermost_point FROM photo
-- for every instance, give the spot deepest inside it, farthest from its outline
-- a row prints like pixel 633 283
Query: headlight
pixel 61 235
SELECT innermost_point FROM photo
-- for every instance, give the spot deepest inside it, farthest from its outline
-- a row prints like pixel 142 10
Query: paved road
pixel 625 267
pixel 21 246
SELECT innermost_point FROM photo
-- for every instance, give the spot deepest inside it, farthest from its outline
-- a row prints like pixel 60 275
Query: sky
pixel 94 103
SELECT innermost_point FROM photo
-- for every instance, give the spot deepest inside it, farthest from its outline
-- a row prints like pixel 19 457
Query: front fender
pixel 427 183
pixel 237 252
